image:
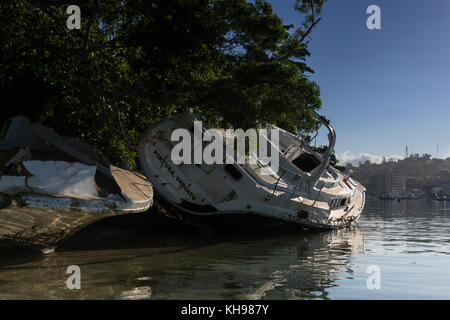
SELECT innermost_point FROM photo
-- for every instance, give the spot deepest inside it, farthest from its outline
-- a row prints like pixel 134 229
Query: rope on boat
pixel 276 185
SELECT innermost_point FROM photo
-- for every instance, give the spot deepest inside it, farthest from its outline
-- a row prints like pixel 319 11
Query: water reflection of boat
pixel 318 266
pixel 51 186
pixel 302 266
pixel 305 192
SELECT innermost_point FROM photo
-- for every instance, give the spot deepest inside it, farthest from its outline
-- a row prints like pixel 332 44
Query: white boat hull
pixel 208 190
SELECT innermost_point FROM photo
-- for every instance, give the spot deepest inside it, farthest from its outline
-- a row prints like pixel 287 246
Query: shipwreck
pixel 305 192
pixel 52 186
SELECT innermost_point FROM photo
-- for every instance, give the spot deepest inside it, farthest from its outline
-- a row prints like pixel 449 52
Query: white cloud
pixel 445 154
pixel 345 158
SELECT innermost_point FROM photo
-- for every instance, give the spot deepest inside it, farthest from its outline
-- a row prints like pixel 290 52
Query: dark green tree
pixel 134 62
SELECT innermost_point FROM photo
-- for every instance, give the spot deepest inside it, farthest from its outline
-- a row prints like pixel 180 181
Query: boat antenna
pixel 315 136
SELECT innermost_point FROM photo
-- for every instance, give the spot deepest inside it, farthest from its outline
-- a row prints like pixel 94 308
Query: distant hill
pixel 417 170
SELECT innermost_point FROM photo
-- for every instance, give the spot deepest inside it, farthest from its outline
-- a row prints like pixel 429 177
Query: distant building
pixel 391 182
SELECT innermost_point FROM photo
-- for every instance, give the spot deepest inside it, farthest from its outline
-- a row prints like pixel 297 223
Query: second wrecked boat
pixel 51 186
pixel 305 192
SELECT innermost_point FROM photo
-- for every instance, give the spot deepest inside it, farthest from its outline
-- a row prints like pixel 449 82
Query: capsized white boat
pixel 306 191
pixel 51 186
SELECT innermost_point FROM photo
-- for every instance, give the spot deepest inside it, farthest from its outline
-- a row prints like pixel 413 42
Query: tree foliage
pixel 134 62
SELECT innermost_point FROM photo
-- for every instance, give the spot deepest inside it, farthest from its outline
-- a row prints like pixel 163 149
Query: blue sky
pixel 382 89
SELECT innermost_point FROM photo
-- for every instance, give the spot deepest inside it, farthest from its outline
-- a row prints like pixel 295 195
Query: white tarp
pixel 61 178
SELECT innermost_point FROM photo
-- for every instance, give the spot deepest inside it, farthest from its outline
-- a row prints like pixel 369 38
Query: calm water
pixel 409 241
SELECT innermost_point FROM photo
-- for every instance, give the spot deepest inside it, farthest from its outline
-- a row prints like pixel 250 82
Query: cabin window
pixel 233 171
pixel 306 162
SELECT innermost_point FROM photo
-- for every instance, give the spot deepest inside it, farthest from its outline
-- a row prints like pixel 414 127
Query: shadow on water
pixel 148 257
pixel 119 263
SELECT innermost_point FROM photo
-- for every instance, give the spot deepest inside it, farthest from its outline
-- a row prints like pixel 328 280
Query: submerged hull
pixel 37 221
pixel 223 223
pixel 272 219
pixel 30 228
pixel 52 186
pixel 34 221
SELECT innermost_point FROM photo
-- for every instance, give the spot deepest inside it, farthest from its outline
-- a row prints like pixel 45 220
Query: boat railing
pixel 284 170
pixel 326 160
